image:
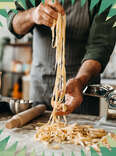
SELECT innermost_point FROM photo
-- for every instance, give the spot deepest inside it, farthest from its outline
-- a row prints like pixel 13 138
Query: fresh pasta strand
pixel 60 82
pixel 55 130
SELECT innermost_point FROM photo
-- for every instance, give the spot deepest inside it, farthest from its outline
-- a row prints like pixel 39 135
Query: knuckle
pixel 49 19
pixel 51 12
pixel 40 20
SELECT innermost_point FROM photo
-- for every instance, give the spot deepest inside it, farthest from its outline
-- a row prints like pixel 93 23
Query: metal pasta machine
pixel 107 92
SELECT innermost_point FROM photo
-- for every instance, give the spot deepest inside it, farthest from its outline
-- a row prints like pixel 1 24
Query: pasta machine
pixel 107 92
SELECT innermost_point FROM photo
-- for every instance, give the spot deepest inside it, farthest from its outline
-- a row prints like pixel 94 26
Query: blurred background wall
pixel 15 63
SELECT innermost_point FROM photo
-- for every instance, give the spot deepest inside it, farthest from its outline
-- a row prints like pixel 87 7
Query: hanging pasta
pixel 60 83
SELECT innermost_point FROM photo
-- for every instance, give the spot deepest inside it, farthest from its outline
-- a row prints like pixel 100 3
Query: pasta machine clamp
pixel 107 92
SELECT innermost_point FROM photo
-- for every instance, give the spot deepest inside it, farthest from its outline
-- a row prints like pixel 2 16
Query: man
pixel 89 44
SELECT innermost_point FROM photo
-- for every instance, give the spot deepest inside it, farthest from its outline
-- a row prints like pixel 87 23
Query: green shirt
pixel 101 36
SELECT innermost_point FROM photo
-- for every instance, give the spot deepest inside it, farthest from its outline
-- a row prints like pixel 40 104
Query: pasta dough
pixel 84 135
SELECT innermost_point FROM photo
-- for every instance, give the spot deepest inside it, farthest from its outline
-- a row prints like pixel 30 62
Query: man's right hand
pixel 73 96
pixel 47 12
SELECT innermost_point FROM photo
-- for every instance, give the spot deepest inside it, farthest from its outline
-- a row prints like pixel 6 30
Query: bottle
pixel 17 89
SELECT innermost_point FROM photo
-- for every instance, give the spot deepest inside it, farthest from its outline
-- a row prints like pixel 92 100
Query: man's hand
pixel 43 14
pixel 73 97
pixel 47 12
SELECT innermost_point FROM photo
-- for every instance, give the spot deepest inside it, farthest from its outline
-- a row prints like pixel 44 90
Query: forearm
pixel 88 70
pixel 43 14
pixel 23 22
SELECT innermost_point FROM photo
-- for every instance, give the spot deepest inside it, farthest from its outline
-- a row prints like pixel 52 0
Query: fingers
pixel 71 84
pixel 45 20
pixel 68 111
pixel 44 15
pixel 60 113
pixel 71 103
pixel 49 11
pixel 55 5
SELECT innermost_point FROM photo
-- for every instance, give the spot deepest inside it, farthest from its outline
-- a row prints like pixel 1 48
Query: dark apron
pixel 43 65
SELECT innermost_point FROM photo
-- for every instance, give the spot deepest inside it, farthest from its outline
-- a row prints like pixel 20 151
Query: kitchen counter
pixel 25 135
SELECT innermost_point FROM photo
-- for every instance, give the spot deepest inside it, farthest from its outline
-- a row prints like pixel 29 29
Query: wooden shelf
pixel 20 44
pixel 12 72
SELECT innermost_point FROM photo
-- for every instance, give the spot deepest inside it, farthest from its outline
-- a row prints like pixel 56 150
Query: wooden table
pixel 25 135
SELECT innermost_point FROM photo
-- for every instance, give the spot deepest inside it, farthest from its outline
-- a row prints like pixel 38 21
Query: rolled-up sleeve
pixel 101 39
pixel 11 15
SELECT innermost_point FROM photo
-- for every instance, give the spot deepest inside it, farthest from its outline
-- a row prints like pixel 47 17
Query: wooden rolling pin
pixel 24 117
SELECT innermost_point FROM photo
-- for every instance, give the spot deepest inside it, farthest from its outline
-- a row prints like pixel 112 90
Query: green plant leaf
pixel 3 143
pixel 43 154
pixel 62 153
pixel 83 2
pixel 53 154
pixel 43 1
pixel 93 152
pixel 112 12
pixel 3 12
pixel 113 151
pixel 105 4
pixel 15 11
pixel 73 1
pixel 1 130
pixel 23 3
pixel 82 153
pixel 32 2
pixel 93 3
pixel 106 152
pixel 72 154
